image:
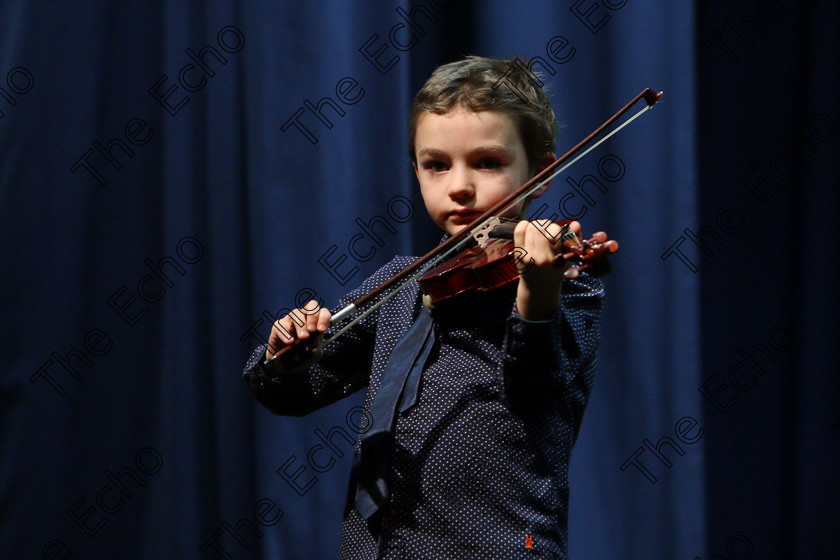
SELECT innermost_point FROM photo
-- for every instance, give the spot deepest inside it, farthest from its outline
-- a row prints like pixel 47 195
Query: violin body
pixel 495 262
pixel 478 269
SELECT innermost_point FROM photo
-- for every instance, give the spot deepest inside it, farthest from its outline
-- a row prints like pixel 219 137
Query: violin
pixel 480 255
pixel 494 262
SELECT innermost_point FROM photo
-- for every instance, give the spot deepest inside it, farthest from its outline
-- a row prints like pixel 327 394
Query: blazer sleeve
pixel 343 369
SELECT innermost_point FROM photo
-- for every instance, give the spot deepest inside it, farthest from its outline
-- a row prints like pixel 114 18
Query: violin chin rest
pixel 427 302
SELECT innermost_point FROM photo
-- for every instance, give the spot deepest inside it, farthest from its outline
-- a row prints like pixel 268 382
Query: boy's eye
pixel 435 166
pixel 488 163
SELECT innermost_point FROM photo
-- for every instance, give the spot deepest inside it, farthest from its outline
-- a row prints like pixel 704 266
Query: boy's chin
pixel 452 229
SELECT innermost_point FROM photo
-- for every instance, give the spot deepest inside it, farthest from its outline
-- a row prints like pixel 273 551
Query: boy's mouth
pixel 464 214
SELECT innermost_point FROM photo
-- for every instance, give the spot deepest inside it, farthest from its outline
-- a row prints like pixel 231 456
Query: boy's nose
pixel 461 185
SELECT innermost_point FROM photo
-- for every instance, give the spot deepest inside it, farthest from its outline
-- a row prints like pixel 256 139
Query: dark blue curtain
pixel 174 175
pixel 769 128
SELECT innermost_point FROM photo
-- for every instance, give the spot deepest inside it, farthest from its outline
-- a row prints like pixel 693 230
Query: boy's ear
pixel 544 162
pixel 416 172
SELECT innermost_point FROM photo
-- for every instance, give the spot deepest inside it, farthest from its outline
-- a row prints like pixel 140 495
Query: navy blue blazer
pixel 479 465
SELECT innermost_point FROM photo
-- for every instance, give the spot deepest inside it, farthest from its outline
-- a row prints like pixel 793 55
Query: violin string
pixel 340 315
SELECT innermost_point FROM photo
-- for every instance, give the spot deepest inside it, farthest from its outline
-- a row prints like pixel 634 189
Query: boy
pixel 474 414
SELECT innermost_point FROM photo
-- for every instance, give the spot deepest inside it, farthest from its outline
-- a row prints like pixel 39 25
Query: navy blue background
pixel 238 206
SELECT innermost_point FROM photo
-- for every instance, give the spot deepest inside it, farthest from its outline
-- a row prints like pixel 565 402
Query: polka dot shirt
pixel 479 465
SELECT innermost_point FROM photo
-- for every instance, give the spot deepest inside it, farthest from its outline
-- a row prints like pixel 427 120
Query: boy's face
pixel 467 162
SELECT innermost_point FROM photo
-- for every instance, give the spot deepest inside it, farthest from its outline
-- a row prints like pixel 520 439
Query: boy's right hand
pixel 307 325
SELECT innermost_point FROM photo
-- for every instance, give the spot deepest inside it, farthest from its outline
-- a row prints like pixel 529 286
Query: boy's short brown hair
pixel 489 84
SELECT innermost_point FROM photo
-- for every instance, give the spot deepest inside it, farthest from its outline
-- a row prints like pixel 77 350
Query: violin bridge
pixel 482 234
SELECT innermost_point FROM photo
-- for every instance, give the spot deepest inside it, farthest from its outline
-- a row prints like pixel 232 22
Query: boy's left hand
pixel 540 280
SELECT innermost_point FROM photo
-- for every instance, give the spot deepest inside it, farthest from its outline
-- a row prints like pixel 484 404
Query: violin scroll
pixel 588 255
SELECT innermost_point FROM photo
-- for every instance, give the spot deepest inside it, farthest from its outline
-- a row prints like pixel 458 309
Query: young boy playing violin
pixel 473 407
